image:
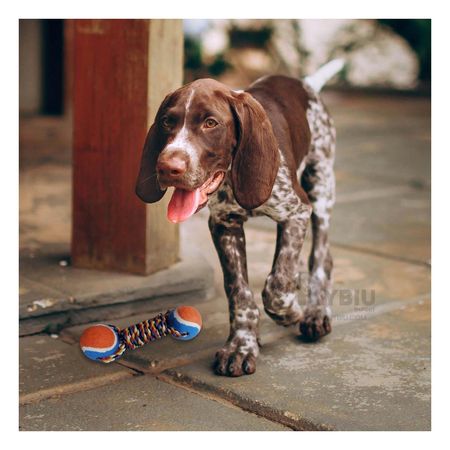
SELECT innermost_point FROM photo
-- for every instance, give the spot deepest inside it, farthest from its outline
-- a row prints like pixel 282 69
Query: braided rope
pixel 141 333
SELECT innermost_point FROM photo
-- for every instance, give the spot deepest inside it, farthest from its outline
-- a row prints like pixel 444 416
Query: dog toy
pixel 106 343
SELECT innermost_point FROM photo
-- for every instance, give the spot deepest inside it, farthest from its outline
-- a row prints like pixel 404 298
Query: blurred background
pixel 384 53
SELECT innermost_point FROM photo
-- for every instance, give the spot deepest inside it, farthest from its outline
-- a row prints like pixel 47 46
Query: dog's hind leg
pixel 290 208
pixel 319 183
pixel 280 294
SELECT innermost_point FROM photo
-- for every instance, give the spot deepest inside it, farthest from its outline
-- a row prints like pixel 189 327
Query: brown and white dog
pixel 268 150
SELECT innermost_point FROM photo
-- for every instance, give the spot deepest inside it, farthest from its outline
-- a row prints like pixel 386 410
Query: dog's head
pixel 200 130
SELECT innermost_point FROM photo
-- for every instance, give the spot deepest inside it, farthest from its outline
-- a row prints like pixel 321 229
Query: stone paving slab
pixel 365 286
pixel 91 287
pixel 367 375
pixel 50 367
pixel 355 272
pixel 139 403
pixel 399 226
pixel 387 156
pixel 53 294
pixel 351 186
pixel 357 275
pixel 167 352
pixel 392 220
pixel 384 137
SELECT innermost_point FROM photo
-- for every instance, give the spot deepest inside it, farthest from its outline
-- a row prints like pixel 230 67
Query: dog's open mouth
pixel 184 204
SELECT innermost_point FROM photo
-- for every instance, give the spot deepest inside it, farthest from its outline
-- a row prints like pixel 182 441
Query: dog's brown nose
pixel 171 166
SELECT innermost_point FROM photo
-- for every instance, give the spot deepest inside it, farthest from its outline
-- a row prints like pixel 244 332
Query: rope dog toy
pixel 106 343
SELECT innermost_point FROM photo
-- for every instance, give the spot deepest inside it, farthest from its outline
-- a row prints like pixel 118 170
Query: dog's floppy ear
pixel 256 158
pixel 147 187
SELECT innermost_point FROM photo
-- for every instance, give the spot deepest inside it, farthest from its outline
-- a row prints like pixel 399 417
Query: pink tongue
pixel 183 204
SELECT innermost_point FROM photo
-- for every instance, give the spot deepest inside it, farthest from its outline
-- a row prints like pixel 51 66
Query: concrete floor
pixel 371 373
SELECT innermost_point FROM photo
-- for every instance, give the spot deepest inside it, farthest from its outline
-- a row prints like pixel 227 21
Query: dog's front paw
pixel 238 356
pixel 316 323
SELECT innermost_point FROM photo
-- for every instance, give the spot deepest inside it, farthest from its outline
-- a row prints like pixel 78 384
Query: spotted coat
pixel 280 294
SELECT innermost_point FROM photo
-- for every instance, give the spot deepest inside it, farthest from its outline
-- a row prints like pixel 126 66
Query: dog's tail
pixel 318 80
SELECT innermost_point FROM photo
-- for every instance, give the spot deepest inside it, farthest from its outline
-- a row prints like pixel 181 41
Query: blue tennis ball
pixel 185 319
pixel 99 341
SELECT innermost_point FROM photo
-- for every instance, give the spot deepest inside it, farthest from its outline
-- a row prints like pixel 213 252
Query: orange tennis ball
pixel 187 320
pixel 99 341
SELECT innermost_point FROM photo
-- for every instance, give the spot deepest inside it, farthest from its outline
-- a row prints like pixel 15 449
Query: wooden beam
pixel 122 71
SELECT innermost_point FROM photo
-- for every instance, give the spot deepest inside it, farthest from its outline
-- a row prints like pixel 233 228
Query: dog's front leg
pixel 238 356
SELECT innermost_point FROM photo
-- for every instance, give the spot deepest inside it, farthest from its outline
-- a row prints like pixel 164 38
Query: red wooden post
pixel 122 71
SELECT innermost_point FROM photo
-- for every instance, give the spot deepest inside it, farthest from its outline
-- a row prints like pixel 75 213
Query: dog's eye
pixel 166 122
pixel 210 123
